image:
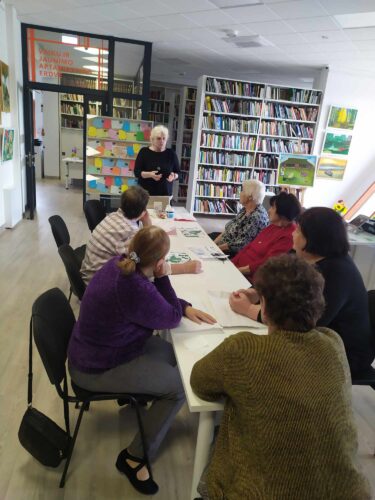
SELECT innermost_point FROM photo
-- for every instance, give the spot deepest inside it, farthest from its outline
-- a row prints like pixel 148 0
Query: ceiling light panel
pixel 358 20
pixel 227 4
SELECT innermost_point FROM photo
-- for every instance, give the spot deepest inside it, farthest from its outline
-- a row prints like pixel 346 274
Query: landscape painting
pixel 5 97
pixel 296 170
pixel 337 144
pixel 331 168
pixel 342 117
pixel 8 143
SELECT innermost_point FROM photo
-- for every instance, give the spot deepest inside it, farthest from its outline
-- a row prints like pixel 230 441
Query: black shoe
pixel 147 487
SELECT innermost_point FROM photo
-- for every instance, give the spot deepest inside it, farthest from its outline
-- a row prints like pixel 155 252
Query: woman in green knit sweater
pixel 287 431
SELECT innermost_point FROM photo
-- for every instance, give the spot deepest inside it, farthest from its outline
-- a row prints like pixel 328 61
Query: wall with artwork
pixel 345 140
pixel 11 119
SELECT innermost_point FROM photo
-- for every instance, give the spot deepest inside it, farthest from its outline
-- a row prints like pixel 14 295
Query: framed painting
pixel 296 170
pixel 8 143
pixel 336 143
pixel 5 97
pixel 343 118
pixel 331 167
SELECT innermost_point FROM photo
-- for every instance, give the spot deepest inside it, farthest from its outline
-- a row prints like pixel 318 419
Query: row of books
pixel 81 81
pixel 233 106
pixel 225 158
pixel 234 87
pixel 72 109
pixel 182 191
pixel 296 95
pixel 287 129
pixel 217 190
pixel 189 122
pixel 123 113
pixel 223 174
pixel 265 176
pixel 118 101
pixel 72 97
pixel 186 150
pixel 190 108
pixel 157 94
pixel 230 124
pixel 187 136
pixel 216 206
pixel 185 164
pixel 69 122
pixel 281 146
pixel 266 161
pixel 183 177
pixel 191 93
pixel 125 87
pixel 227 141
pixel 274 110
pixel 158 118
pixel 157 106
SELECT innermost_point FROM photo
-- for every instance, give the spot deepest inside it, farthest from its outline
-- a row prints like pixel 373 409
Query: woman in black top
pixel 156 166
pixel 321 239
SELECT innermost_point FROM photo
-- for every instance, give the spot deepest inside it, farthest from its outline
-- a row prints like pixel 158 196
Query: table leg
pixel 67 175
pixel 202 449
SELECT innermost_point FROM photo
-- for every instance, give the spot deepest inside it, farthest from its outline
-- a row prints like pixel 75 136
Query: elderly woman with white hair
pixel 156 166
pixel 249 222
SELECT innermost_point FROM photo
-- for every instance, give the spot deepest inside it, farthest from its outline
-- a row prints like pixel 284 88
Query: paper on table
pixel 224 314
pixel 208 252
pixel 187 326
pixel 203 344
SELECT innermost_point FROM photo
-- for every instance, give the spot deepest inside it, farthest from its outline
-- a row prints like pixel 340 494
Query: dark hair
pixel 287 205
pixel 293 292
pixel 134 201
pixel 148 245
pixel 325 232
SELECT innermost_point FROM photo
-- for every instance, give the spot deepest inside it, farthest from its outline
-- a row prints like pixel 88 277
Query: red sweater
pixel 273 240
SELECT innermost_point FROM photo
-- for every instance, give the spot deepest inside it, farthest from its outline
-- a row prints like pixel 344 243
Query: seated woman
pixel 112 348
pixel 287 430
pixel 321 239
pixel 248 222
pixel 274 239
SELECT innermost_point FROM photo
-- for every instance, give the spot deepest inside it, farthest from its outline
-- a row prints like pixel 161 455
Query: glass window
pixel 70 60
pixel 128 76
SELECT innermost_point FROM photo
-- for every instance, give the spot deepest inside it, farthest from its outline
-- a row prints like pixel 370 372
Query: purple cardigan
pixel 118 314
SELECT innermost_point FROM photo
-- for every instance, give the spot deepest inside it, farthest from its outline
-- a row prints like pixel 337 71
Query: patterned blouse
pixel 244 228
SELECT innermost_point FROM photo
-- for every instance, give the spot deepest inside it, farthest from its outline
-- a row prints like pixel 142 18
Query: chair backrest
pixel 59 230
pixel 94 212
pixel 53 321
pixel 72 267
pixel 371 310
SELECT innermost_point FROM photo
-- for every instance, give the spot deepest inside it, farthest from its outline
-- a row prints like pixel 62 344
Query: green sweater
pixel 287 431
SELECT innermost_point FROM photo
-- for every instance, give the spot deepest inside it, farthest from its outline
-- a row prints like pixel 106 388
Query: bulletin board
pixel 112 146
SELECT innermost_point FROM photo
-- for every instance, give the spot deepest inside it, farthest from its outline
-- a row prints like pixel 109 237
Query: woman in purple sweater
pixel 112 348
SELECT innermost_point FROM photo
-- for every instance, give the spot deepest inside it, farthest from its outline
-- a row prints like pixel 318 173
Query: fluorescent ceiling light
pixel 359 20
pixel 91 50
pixel 71 40
pixel 96 68
pixel 95 59
pixel 232 4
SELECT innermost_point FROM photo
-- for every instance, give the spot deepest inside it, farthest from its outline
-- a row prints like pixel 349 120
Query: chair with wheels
pixel 61 234
pixel 52 322
pixel 72 268
pixel 94 212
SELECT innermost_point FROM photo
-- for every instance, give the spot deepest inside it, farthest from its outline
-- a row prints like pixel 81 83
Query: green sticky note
pixel 140 136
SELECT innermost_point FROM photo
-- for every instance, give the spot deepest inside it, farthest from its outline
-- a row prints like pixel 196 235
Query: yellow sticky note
pixel 98 162
pixel 92 131
pixel 122 134
pixel 124 187
pixel 136 148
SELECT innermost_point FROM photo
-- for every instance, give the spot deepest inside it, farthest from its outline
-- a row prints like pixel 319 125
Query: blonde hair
pixel 255 189
pixel 159 129
pixel 148 246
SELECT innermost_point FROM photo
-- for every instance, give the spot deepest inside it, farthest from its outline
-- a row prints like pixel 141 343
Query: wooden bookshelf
pixel 240 129
pixel 159 106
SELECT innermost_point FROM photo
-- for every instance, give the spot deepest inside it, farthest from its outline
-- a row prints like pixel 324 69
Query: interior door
pixel 29 153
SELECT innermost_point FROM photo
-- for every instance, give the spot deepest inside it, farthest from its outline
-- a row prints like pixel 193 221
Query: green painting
pixel 337 144
pixel 296 170
pixel 342 117
pixel 8 142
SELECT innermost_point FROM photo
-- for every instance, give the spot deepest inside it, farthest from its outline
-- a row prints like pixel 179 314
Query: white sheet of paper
pixel 187 326
pixel 224 314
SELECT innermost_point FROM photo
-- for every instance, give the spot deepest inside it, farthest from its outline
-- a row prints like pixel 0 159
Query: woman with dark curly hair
pixel 321 239
pixel 287 430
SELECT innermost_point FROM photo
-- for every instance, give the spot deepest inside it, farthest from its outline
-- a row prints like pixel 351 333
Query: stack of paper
pixel 224 314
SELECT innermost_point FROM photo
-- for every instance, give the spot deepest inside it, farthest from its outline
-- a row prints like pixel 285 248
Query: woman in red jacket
pixel 275 239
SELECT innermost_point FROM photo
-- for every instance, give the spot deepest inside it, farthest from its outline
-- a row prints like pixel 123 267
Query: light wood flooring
pixel 29 265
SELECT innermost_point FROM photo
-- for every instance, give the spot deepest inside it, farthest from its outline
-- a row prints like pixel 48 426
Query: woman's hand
pixel 250 293
pixel 161 269
pixel 240 303
pixel 171 177
pixel 146 219
pixel 244 269
pixel 199 316
pixel 152 175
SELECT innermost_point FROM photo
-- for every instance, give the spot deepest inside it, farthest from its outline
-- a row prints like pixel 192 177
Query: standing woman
pixel 156 166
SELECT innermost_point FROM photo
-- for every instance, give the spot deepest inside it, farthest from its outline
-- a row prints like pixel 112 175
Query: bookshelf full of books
pixel 240 129
pixel 184 137
pixel 159 106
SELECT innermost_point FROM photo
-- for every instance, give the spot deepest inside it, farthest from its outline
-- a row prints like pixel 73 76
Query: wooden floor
pixel 29 265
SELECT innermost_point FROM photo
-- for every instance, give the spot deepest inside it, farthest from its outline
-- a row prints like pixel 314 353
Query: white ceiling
pixel 187 35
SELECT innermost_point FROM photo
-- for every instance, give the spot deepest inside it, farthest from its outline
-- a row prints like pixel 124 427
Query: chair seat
pixel 79 252
pixel 366 377
pixel 86 395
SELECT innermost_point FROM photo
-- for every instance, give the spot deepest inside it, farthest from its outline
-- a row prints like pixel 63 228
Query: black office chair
pixel 62 237
pixel 52 322
pixel 94 212
pixel 368 377
pixel 72 268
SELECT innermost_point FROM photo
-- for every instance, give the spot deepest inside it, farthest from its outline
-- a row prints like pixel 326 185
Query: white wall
pixel 12 171
pixel 354 91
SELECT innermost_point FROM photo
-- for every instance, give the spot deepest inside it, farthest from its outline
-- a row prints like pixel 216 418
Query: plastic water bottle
pixel 169 211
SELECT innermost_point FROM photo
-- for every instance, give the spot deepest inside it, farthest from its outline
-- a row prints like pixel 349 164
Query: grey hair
pixel 255 189
pixel 159 129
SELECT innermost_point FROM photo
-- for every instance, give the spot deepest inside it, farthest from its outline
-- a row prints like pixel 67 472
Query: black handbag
pixel 38 434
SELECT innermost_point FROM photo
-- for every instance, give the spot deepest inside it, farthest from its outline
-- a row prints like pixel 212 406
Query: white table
pixel 190 346
pixel 71 162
